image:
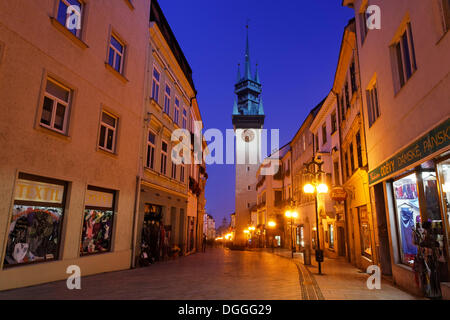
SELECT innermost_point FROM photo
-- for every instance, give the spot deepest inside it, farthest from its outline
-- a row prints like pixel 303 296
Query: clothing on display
pixel 33 234
pixel 97 226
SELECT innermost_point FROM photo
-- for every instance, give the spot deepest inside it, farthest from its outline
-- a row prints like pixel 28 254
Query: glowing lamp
pixel 322 188
pixel 308 188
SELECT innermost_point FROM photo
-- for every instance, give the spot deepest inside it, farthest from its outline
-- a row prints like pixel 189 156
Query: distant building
pixel 209 227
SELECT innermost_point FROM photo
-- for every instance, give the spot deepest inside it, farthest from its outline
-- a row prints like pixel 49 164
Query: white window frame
pixel 56 100
pixel 176 110
pixel 108 127
pixel 116 52
pixel 150 147
pixel 407 30
pixel 164 158
pixel 174 171
pixel 167 99
pixel 373 104
pixel 184 117
pixel 158 82
pixel 182 172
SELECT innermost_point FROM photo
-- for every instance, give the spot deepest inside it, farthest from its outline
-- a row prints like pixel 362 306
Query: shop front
pixel 163 229
pixel 415 184
pixel 35 228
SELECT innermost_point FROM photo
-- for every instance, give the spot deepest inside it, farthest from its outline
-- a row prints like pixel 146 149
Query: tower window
pixel 249 188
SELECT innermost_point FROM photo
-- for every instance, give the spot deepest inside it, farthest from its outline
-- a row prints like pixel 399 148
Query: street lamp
pixel 272 225
pixel 313 169
pixel 292 215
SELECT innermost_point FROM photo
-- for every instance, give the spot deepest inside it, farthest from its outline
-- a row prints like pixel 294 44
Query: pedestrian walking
pixel 204 243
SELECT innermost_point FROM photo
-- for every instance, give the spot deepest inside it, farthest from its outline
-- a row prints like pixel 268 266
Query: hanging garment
pixel 407 225
pixel 20 251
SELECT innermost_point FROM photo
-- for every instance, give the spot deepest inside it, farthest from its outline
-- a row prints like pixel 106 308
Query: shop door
pixel 341 241
pixel 384 253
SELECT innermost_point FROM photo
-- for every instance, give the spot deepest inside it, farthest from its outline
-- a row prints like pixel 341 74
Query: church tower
pixel 248 121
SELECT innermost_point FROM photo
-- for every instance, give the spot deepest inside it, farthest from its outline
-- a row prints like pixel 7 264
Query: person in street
pixel 204 243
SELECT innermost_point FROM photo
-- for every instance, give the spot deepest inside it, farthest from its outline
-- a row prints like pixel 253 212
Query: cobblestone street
pixel 220 274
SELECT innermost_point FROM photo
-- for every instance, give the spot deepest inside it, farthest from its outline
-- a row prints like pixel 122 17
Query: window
pixel 174 171
pixel 353 77
pixel 364 229
pixel 347 98
pixel 333 122
pixel 359 149
pixel 182 173
pixel 404 58
pixel 36 222
pixel 248 169
pixel 373 108
pixel 151 150
pixel 444 8
pixel 116 54
pixel 249 188
pixel 317 142
pixel 363 24
pixel 184 118
pixel 55 109
pixel 155 84
pixel 349 170
pixel 167 100
pixel 352 157
pixel 72 19
pixel 176 112
pixel 336 173
pixel 98 221
pixel 324 133
pixel 342 107
pixel 108 126
pixel 163 157
pixel 331 236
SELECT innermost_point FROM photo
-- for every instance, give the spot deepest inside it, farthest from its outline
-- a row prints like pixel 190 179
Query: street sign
pixel 338 194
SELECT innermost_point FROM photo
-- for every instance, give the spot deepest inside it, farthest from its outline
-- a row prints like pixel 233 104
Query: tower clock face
pixel 248 135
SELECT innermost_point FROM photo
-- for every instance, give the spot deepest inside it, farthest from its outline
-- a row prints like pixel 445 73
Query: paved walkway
pixel 341 281
pixel 216 274
pixel 222 274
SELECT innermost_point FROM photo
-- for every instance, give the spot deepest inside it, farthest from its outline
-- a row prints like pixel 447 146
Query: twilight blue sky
pixel 296 45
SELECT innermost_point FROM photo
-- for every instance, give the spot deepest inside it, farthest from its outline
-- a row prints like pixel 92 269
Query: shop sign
pixel 433 141
pixel 98 199
pixel 338 194
pixel 27 190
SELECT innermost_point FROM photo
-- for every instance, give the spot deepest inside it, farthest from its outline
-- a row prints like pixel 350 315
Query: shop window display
pixel 35 226
pixel 444 181
pixel 155 237
pixel 98 221
pixel 408 215
pixel 366 247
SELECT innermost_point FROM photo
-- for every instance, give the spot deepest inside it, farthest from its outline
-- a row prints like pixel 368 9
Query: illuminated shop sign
pixel 433 141
pixel 99 199
pixel 28 190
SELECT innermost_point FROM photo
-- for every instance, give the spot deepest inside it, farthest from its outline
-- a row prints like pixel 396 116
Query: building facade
pixel 359 219
pixel 325 129
pixel 405 79
pixel 209 227
pixel 171 199
pixel 69 173
pixel 302 148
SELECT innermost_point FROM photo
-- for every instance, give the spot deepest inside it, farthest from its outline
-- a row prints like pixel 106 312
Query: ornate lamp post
pixel 291 214
pixel 313 171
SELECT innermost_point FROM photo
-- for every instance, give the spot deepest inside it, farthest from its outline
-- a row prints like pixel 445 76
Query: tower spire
pixel 257 74
pixel 247 58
